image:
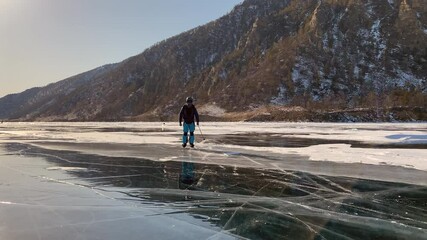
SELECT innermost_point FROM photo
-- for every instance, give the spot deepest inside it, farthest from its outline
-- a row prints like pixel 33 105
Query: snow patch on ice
pixel 67 168
pixel 387 133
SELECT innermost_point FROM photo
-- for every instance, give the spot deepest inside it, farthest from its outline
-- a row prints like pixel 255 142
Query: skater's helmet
pixel 189 100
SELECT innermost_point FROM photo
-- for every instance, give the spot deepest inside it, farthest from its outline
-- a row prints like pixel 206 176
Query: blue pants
pixel 188 127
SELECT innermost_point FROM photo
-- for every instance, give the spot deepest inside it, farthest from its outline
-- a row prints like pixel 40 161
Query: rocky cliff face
pixel 320 55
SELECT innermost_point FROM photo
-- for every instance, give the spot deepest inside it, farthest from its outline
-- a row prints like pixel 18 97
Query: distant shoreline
pixel 271 114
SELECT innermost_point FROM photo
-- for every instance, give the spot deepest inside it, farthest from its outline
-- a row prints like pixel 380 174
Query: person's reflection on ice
pixel 187 176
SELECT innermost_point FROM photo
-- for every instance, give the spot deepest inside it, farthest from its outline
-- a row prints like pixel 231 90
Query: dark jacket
pixel 188 114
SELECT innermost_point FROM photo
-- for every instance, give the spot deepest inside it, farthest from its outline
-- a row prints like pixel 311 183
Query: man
pixel 188 113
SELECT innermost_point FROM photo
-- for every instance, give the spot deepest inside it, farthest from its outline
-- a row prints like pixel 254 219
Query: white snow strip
pixel 370 133
pixel 344 153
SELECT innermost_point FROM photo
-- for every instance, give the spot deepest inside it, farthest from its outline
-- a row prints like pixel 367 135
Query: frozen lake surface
pixel 246 180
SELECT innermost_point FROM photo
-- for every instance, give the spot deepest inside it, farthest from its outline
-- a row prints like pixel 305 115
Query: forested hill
pixel 325 60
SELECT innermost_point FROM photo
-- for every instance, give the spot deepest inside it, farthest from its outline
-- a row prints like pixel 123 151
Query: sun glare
pixel 4 3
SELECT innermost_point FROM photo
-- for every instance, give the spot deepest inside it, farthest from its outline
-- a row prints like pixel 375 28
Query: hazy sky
pixel 44 41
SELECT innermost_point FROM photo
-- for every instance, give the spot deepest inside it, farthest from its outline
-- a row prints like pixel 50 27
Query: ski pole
pixel 201 133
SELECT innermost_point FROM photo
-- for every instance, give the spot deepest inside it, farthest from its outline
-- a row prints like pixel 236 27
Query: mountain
pixel 333 60
pixel 54 99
